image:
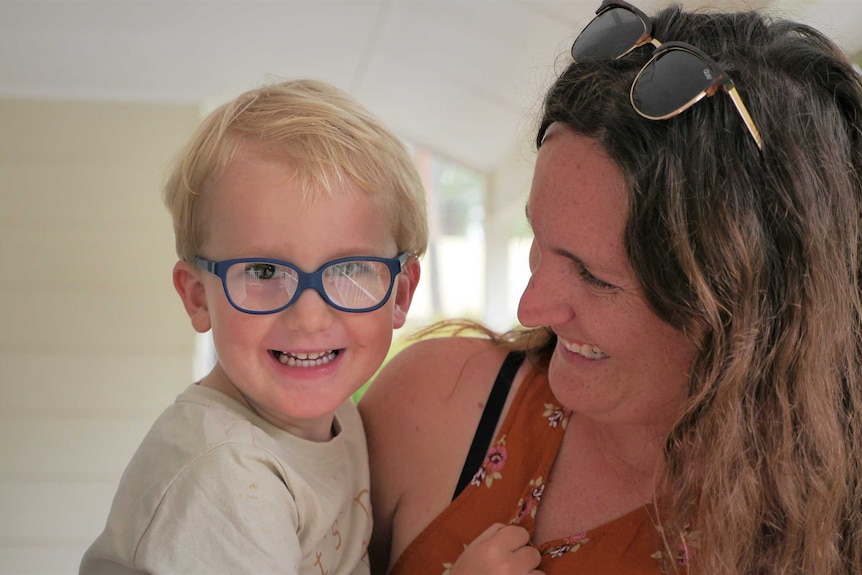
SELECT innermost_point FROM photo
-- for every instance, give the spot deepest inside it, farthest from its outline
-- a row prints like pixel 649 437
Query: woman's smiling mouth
pixel 584 350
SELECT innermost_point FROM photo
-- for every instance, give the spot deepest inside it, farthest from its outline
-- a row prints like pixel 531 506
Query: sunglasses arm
pixel 746 117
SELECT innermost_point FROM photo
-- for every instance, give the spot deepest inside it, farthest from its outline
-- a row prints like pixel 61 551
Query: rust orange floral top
pixel 508 489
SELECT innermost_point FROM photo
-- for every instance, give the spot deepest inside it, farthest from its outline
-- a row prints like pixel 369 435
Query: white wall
pixel 93 340
pixel 507 266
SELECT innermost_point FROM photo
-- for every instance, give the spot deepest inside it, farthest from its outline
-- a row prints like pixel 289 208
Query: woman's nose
pixel 542 303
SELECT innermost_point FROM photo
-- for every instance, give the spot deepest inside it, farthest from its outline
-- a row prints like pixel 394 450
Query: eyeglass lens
pixel 611 34
pixel 264 286
pixel 670 83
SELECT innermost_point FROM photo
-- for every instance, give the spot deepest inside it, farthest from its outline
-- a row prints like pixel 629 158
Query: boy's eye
pixel 260 271
pixel 353 268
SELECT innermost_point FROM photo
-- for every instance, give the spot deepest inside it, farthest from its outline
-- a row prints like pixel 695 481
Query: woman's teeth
pixel 305 359
pixel 587 351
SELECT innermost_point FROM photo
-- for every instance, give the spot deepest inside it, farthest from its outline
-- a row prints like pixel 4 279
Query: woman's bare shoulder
pixel 432 368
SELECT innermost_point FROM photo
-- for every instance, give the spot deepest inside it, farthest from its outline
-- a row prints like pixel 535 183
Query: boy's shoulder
pixel 198 421
pixel 201 424
pixel 200 418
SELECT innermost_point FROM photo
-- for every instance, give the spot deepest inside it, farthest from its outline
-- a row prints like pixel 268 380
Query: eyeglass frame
pixel 305 280
pixel 720 78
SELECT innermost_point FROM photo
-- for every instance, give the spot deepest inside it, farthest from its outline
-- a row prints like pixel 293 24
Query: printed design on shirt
pixel 447 567
pixel 327 553
pixel 557 416
pixel 527 506
pixel 569 545
pixel 363 499
pixel 686 551
pixel 493 464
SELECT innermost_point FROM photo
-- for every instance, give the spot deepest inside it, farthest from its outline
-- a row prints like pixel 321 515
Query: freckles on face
pixel 615 359
pixel 577 209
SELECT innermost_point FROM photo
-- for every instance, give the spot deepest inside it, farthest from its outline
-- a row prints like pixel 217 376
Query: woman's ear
pixel 405 286
pixel 192 292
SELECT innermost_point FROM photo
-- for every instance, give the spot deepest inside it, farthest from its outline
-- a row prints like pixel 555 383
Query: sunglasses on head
pixel 676 77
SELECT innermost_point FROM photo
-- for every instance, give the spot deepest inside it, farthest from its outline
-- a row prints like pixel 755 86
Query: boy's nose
pixel 309 313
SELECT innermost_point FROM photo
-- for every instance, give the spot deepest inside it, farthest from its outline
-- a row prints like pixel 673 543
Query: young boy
pixel 299 219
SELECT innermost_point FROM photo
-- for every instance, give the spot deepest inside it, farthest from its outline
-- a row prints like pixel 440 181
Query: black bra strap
pixel 490 417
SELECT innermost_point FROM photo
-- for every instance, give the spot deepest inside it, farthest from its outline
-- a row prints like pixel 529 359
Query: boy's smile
pixel 313 359
pixel 296 366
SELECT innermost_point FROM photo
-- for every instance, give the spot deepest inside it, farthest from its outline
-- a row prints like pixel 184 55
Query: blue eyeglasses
pixel 262 286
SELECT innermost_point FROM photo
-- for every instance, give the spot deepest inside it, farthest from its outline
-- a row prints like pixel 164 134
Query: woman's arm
pixel 420 415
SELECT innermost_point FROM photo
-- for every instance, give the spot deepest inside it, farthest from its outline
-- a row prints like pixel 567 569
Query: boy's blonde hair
pixel 328 137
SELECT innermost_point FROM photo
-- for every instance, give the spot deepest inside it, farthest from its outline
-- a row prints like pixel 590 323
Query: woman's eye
pixel 593 280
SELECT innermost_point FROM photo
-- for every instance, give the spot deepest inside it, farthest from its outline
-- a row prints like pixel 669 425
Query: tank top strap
pixel 490 416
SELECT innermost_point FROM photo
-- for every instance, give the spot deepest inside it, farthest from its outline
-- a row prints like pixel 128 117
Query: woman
pixel 689 398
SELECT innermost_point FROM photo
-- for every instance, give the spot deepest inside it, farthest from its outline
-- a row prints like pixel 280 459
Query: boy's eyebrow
pixel 527 213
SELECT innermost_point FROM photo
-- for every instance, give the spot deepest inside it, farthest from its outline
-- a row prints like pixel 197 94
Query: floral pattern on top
pixel 568 545
pixel 509 487
pixel 557 416
pixel 527 505
pixel 493 464
pixel 447 567
pixel 686 552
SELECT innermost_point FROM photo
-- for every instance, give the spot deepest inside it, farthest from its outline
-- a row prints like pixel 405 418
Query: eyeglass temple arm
pixel 746 117
pixel 402 259
pixel 205 264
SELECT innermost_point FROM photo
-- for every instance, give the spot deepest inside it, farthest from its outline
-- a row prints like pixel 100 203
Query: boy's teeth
pixel 305 359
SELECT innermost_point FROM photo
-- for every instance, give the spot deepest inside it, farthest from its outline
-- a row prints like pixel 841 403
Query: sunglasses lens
pixel 670 83
pixel 610 35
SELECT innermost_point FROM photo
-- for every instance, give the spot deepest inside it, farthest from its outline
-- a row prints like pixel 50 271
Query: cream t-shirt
pixel 214 488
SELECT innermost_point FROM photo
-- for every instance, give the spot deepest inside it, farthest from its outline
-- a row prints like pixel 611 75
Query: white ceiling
pixel 462 77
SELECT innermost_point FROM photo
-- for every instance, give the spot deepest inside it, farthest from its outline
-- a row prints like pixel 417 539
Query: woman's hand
pixel 499 550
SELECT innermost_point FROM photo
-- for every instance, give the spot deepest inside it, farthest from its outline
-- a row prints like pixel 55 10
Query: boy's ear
pixel 407 281
pixel 187 282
